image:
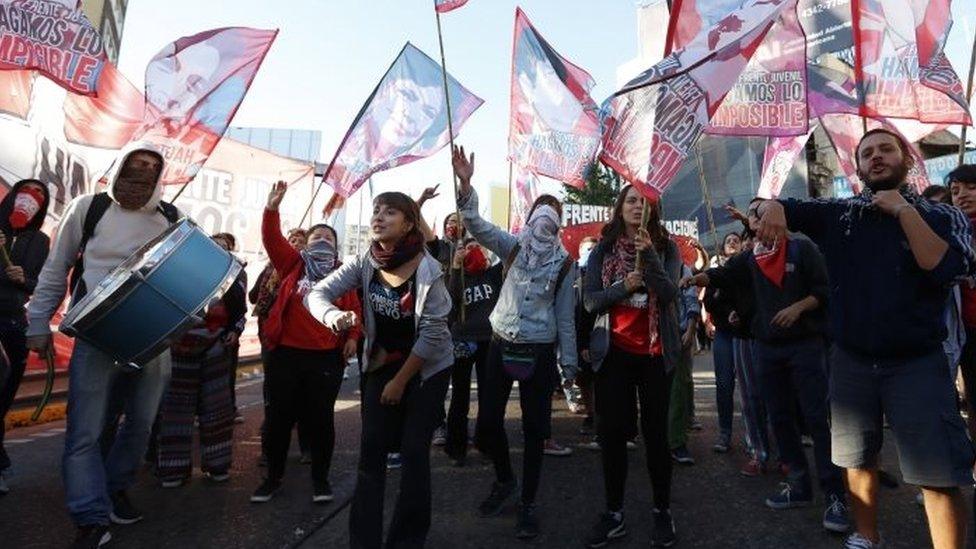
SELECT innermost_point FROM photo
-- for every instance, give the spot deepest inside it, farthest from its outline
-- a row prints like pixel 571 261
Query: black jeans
pixel 408 426
pixel 620 382
pixel 302 386
pixel 14 341
pixel 457 415
pixel 535 396
pixel 797 371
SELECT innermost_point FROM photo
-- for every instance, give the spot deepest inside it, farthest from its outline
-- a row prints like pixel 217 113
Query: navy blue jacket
pixel 882 304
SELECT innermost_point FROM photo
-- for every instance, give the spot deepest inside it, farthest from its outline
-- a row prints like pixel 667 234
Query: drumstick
pixel 48 384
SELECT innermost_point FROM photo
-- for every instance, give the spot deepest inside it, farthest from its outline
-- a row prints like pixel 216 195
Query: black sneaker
pixel 123 512
pixel 609 527
pixel 91 537
pixel 322 492
pixel 682 455
pixel 266 491
pixel 496 500
pixel 527 523
pixel 663 533
pixel 788 498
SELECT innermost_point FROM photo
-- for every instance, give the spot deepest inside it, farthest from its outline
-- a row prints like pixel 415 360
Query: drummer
pixel 98 232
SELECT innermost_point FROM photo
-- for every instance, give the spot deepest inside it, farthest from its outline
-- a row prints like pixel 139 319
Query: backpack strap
pixel 96 210
pixel 563 271
pixel 510 259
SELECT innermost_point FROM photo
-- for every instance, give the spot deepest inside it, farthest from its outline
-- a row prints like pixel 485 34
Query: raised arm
pixel 499 241
pixel 281 254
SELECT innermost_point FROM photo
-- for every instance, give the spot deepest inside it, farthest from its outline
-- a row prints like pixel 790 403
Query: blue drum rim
pixel 74 325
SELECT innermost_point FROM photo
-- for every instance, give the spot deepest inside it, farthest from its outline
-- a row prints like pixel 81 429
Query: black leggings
pixel 620 381
pixel 535 396
pixel 302 387
pixel 457 415
pixel 408 427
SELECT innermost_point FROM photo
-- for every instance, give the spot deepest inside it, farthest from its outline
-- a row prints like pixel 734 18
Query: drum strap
pixel 96 210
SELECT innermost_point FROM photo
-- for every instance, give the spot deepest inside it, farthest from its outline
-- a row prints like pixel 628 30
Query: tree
pixel 602 187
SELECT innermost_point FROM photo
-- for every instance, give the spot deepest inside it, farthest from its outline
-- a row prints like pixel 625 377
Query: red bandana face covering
pixel 475 261
pixel 772 262
pixel 26 205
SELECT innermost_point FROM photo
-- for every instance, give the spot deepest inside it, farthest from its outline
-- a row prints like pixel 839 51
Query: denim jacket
pixel 433 304
pixel 530 308
pixel 688 305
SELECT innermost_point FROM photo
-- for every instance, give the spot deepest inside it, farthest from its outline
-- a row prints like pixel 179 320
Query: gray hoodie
pixel 118 235
pixel 433 344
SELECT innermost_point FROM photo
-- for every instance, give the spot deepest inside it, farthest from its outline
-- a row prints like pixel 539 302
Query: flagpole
pixel 450 135
pixel 707 196
pixel 969 98
pixel 508 217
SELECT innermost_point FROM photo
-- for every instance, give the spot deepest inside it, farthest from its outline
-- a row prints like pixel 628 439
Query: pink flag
pixel 444 6
pixel 526 191
pixel 109 120
pixel 554 129
pixel 902 71
pixel 403 120
pixel 193 89
pixel 778 161
pixel 55 38
pixel 653 122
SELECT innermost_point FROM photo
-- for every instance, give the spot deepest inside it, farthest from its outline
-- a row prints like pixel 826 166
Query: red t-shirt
pixel 968 295
pixel 630 327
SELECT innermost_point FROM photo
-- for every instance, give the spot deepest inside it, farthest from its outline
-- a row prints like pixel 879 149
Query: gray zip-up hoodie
pixel 433 304
pixel 530 308
pixel 118 235
pixel 661 278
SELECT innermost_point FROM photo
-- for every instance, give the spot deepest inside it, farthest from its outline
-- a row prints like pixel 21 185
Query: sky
pixel 330 54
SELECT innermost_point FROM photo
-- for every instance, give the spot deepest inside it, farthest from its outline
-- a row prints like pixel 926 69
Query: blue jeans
pixel 794 371
pixel 88 478
pixel 751 400
pixel 723 356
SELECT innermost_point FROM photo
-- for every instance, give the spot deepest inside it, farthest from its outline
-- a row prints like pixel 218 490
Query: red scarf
pixel 772 262
pixel 405 250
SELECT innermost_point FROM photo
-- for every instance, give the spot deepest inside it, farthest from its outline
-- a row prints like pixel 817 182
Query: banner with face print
pixel 555 128
pixel 403 120
pixel 193 89
pixel 778 160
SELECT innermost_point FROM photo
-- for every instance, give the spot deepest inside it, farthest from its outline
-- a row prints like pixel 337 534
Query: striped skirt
pixel 199 389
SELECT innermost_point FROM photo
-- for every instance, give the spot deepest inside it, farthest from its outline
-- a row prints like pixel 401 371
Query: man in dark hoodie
pixel 22 212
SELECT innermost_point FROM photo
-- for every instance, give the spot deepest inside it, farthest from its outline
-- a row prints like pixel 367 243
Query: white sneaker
pixel 172 483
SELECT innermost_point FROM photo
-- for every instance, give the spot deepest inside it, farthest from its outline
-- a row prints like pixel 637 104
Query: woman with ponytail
pixel 631 285
pixel 408 354
pixel 304 360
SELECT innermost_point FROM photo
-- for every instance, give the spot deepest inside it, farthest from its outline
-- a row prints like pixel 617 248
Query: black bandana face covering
pixel 134 187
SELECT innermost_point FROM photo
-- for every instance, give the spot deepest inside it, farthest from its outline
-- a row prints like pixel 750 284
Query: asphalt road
pixel 713 505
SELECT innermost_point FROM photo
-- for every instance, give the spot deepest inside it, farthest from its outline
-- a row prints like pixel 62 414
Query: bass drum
pixel 148 300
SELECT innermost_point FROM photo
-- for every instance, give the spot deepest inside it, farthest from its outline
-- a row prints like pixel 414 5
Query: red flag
pixel 902 71
pixel 778 160
pixel 444 6
pixel 526 191
pixel 554 129
pixel 109 120
pixel 336 203
pixel 651 124
pixel 15 92
pixel 772 261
